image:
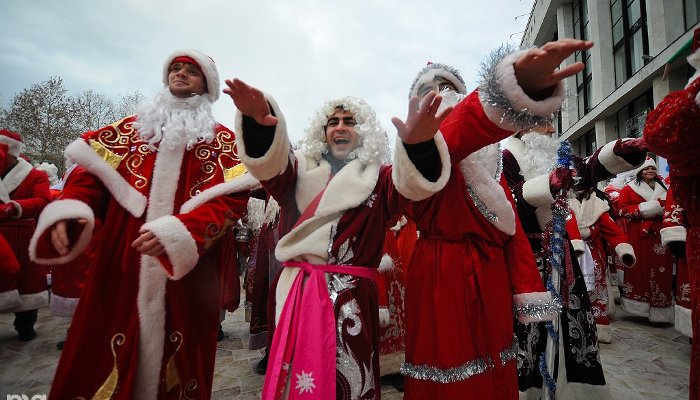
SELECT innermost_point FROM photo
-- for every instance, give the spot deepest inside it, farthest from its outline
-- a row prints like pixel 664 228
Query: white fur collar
pixel 481 171
pixel 518 148
pixel 644 190
pixel 14 178
pixel 588 211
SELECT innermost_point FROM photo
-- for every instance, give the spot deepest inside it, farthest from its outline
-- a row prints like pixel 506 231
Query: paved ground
pixel 643 362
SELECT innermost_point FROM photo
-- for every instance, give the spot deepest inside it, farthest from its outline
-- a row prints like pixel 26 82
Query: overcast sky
pixel 302 52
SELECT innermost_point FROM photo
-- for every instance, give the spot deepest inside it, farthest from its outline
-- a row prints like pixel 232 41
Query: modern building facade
pixel 623 76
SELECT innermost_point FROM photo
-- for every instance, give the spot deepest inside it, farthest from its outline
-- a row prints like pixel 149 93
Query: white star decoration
pixel 305 382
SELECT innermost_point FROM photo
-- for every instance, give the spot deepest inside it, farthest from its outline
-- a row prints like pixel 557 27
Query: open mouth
pixel 341 140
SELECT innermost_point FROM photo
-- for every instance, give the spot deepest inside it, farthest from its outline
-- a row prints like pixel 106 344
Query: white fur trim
pixel 57 211
pixel 682 320
pixel 128 197
pixel 626 249
pixel 578 245
pixel 519 100
pixel 523 299
pixel 634 307
pixel 63 306
pixel 207 65
pixel 673 234
pixel 16 175
pixel 409 181
pixel 179 245
pixel 275 160
pixel 18 209
pixel 14 146
pixel 32 301
pixel 312 177
pixel 429 76
pixel 386 264
pixel 384 317
pixel 694 61
pixel 536 191
pixel 611 161
pixel 650 209
pixel 9 300
pixel 646 192
pixel 665 314
pixel 241 183
pixel 588 212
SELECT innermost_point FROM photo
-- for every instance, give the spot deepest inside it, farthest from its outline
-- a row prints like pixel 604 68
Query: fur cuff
pixel 578 245
pixel 274 161
pixel 535 307
pixel 611 161
pixel 505 102
pixel 409 181
pixel 62 210
pixel 180 247
pixel 625 249
pixel 673 234
pixel 536 191
pixel 128 197
pixel 9 300
pixel 386 264
pixel 650 209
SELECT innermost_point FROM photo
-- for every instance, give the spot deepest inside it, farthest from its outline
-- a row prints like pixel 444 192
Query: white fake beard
pixel 541 153
pixel 173 120
pixel 450 98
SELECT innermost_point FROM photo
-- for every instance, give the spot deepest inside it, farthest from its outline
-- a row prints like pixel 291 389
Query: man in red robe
pixel 24 192
pixel 167 184
pixel 343 196
pixel 672 132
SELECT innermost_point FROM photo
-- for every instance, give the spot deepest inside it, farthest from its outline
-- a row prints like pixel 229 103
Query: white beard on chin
pixel 541 153
pixel 173 120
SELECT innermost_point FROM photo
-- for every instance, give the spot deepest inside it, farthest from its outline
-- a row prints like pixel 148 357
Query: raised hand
pixel 422 123
pixel 537 69
pixel 250 101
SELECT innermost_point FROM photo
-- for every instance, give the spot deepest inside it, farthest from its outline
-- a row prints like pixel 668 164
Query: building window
pixel 579 9
pixel 631 118
pixel 691 11
pixel 588 141
pixel 630 37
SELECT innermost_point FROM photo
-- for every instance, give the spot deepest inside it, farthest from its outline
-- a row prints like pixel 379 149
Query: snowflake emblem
pixel 305 382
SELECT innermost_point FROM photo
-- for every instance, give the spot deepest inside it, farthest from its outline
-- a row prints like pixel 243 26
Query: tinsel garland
pixel 554 242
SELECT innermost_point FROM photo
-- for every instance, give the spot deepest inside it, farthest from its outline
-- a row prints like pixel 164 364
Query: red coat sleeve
pixel 40 195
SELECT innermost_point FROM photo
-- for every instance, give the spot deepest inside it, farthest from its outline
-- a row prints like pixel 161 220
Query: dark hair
pixel 638 179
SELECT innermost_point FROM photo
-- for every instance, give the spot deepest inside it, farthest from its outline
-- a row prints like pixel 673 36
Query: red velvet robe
pixel 29 189
pixel 146 327
pixel 671 131
pixel 647 290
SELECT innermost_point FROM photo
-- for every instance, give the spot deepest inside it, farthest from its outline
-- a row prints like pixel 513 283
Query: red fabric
pixel 649 280
pixel 229 273
pixel 671 131
pixel 9 267
pixel 105 331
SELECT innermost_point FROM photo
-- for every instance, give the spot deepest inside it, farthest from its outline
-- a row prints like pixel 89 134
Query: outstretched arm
pixel 250 101
pixel 423 121
pixel 538 69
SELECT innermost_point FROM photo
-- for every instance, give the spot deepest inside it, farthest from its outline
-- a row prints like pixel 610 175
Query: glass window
pixel 633 12
pixel 636 51
pixel 618 31
pixel 620 75
pixel 616 10
pixel 692 12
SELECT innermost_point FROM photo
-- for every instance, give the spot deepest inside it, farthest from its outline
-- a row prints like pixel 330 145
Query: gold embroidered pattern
pixel 109 157
pixel 172 378
pixel 213 231
pixel 221 152
pixel 106 391
pixel 134 161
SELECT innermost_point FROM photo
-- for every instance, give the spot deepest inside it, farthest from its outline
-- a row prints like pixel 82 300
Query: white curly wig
pixel 373 142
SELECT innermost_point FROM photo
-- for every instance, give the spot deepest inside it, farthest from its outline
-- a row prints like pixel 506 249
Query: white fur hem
pixel 604 333
pixel 63 210
pixel 274 161
pixel 519 100
pixel 650 209
pixel 665 314
pixel 625 249
pixel 673 234
pixel 409 181
pixel 128 197
pixel 9 300
pixel 534 299
pixel 63 306
pixel 179 245
pixel 32 301
pixel 578 245
pixel 635 307
pixel 386 264
pixel 683 322
pixel 536 191
pixel 611 161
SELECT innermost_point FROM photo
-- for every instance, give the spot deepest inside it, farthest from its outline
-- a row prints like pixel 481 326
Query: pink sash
pixel 304 346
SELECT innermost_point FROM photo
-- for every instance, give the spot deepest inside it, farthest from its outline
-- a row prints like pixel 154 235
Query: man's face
pixel 438 84
pixel 547 129
pixel 185 80
pixel 340 134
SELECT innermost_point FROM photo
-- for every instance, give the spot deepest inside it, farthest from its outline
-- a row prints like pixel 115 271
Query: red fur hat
pixel 13 142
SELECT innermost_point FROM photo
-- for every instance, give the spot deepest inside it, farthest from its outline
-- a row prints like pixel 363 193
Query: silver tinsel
pixel 461 373
pixel 490 92
pixel 538 309
pixel 488 214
